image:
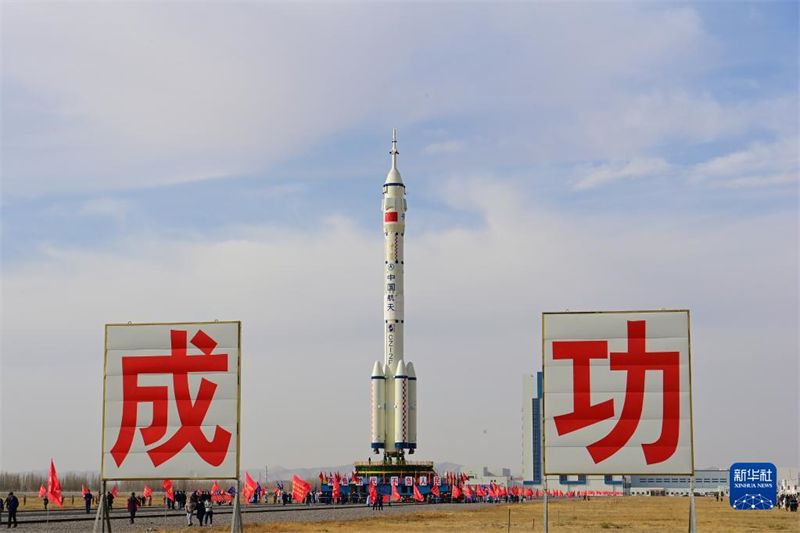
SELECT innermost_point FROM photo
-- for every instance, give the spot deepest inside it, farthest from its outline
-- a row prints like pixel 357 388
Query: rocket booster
pixel 393 425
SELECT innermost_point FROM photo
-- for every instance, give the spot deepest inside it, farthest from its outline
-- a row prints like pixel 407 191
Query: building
pixel 532 468
pixel 706 482
pixel 532 428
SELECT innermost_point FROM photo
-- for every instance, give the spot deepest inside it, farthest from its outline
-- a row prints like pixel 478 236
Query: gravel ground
pixel 176 520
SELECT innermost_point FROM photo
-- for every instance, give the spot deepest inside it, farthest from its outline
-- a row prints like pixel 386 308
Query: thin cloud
pixel 608 173
pixel 759 165
pixel 445 147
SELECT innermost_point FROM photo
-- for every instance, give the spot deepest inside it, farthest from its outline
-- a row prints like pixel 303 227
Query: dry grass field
pixel 633 514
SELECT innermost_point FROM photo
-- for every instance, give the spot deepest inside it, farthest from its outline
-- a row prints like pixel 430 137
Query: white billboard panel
pixel 171 401
pixel 617 393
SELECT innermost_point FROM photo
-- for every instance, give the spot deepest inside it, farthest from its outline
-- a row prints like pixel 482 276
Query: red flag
pixel 467 491
pixel 321 477
pixel 84 490
pixel 337 490
pixel 463 478
pixel 147 492
pixel 417 495
pixel 456 492
pixel 53 486
pixel 435 491
pixel 167 484
pixel 214 488
pixel 373 493
pixel 249 488
pixel 528 493
pixel 42 491
pixel 481 492
pixel 299 489
pixel 114 492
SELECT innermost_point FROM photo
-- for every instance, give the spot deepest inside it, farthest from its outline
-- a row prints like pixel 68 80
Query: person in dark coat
pixel 200 507
pixel 88 497
pixel 133 505
pixel 11 504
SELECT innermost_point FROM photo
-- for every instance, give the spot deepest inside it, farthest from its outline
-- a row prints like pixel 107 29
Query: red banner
pixel 299 489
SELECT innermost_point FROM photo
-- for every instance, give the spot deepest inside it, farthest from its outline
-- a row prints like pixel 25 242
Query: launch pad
pixel 385 470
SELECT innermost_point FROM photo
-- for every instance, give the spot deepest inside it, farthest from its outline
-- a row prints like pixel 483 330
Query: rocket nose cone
pixel 393 176
pixel 410 370
pixel 401 368
pixel 377 369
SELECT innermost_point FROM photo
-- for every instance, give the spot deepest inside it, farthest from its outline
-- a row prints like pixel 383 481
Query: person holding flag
pixel 336 490
pixel 87 498
pixel 169 494
pixel 417 494
pixel 133 506
pixel 249 488
pixel 299 489
pixel 373 496
pixel 53 486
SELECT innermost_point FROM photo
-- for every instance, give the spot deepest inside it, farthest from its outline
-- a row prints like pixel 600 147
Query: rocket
pixel 393 424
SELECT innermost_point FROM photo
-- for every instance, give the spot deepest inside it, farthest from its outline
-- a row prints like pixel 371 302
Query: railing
pixel 406 463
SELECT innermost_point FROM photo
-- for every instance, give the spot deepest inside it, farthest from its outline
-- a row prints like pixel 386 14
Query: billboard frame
pixel 545 473
pixel 103 479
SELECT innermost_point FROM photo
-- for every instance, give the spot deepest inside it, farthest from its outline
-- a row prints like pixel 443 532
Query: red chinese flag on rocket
pixel 42 491
pixel 395 494
pixel 147 492
pixel 435 491
pixel 53 486
pixel 249 488
pixel 169 493
pixel 84 490
pixel 299 489
pixel 390 216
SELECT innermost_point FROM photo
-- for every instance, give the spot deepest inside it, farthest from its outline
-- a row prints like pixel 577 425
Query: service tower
pixel 393 424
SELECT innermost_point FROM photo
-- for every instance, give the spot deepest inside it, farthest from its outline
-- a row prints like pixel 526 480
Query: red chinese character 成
pixel 636 362
pixel 190 412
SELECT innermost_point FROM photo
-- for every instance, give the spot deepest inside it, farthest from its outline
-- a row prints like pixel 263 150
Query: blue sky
pixel 582 156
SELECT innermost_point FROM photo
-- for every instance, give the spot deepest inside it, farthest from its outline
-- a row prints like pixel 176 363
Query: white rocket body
pixel 398 430
pixel 378 397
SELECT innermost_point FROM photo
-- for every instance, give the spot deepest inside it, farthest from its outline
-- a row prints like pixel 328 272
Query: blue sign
pixel 753 485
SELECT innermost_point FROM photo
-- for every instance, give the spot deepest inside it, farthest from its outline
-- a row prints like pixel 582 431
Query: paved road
pixel 152 520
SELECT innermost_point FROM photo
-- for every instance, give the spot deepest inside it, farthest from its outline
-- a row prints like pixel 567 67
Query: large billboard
pixel 617 393
pixel 171 401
